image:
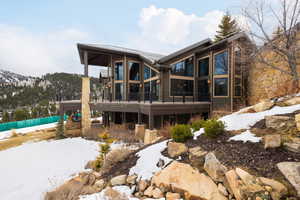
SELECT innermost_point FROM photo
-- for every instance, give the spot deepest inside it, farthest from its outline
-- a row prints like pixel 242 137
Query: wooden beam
pixel 86 64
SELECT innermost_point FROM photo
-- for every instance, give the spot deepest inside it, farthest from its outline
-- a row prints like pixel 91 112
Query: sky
pixel 38 37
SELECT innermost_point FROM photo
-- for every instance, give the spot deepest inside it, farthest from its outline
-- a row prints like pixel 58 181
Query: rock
pixel 272 141
pixel 160 163
pixel 222 189
pixel 112 194
pixel 297 120
pixel 151 136
pixel 234 184
pixel 182 178
pixel 131 179
pixel 148 192
pixel 214 168
pixel 176 149
pixel 97 175
pixel 277 122
pixel 294 147
pixel 118 180
pixel 139 131
pixel 291 171
pixel 292 101
pixel 88 178
pixel 197 156
pixel 143 184
pixel 100 184
pixel 172 196
pixel 262 106
pixel 250 182
pixel 157 193
pixel 277 189
pixel 89 165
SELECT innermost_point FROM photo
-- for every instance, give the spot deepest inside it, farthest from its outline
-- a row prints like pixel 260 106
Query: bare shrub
pixel 122 133
pixel 165 131
pixel 94 132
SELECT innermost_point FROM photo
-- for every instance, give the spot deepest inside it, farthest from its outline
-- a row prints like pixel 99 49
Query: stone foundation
pixel 139 131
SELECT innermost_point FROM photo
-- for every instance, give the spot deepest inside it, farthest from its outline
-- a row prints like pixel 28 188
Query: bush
pixel 197 124
pixel 181 132
pixel 60 129
pixel 213 128
pixel 104 148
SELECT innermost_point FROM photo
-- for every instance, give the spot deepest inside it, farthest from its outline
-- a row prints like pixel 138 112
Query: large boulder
pixel 176 149
pixel 278 122
pixel 297 120
pixel 235 184
pixel 214 168
pixel 197 156
pixel 292 101
pixel 291 171
pixel 262 106
pixel 292 146
pixel 278 189
pixel 142 185
pixel 182 178
pixel 118 180
pixel 112 194
pixel 272 141
pixel 172 196
pixel 251 185
pixel 151 136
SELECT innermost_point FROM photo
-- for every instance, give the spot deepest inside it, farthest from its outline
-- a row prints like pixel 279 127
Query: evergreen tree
pixel 53 109
pixel 227 27
pixel 5 117
pixel 60 129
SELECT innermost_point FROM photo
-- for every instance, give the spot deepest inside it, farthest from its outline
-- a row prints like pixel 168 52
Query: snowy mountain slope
pixel 10 77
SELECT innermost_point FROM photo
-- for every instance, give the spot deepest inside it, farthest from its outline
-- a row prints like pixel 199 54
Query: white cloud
pixel 35 54
pixel 167 29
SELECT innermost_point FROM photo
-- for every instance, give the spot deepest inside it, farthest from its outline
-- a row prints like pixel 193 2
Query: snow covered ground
pixel 246 136
pixel 30 170
pixel 238 121
pixel 7 134
pixel 148 158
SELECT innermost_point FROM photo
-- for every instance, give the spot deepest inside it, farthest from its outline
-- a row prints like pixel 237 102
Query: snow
pixel 7 134
pixel 245 137
pixel 238 121
pixel 198 133
pixel 148 158
pixel 30 170
pixel 125 190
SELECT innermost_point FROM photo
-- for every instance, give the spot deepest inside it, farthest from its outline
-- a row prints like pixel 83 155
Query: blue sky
pixel 48 31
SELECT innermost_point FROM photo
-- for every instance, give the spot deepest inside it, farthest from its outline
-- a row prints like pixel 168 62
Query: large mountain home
pixel 154 89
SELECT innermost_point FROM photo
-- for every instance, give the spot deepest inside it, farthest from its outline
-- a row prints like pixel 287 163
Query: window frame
pixel 240 76
pixel 202 58
pixel 172 76
pixel 149 80
pixel 222 75
pixel 170 86
pixel 119 61
pixel 128 74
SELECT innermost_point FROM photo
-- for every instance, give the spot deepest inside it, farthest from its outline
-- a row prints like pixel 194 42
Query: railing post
pixel 173 99
pixel 183 98
pixel 150 96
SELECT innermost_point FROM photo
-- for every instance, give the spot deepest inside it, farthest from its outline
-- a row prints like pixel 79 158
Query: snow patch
pixel 148 158
pixel 198 133
pixel 238 121
pixel 31 170
pixel 245 137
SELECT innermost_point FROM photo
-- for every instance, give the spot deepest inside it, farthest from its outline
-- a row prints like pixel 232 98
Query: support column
pixel 139 118
pixel 85 106
pixel 151 121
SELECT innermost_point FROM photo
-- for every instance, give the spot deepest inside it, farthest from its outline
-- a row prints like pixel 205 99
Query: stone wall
pixel 85 108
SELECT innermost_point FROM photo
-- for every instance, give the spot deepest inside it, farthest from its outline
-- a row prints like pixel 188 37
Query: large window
pixel 119 91
pixel 119 71
pixel 183 68
pixel 203 67
pixel 221 86
pixel 221 63
pixel 134 89
pixel 134 71
pixel 221 74
pixel 151 88
pixel 149 73
pixel 181 87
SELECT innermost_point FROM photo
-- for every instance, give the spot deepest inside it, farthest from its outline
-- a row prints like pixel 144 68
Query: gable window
pixel 183 68
pixel 149 73
pixel 151 85
pixel 134 89
pixel 119 91
pixel 220 78
pixel 134 71
pixel 203 67
pixel 119 71
pixel 221 63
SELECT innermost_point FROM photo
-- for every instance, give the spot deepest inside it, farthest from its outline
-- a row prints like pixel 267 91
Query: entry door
pixel 202 80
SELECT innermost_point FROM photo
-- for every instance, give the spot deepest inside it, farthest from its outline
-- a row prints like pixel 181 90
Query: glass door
pixel 202 79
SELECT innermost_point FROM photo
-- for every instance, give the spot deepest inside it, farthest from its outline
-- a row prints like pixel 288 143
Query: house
pixel 154 89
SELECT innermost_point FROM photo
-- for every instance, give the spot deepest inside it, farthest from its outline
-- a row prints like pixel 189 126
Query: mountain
pixel 17 90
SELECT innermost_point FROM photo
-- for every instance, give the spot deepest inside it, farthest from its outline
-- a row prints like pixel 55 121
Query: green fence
pixel 29 123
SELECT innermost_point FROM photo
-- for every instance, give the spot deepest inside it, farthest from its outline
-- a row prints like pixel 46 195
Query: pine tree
pixel 5 117
pixel 227 27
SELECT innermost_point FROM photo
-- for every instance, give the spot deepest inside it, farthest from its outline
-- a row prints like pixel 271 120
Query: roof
pixel 152 57
pixel 158 58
